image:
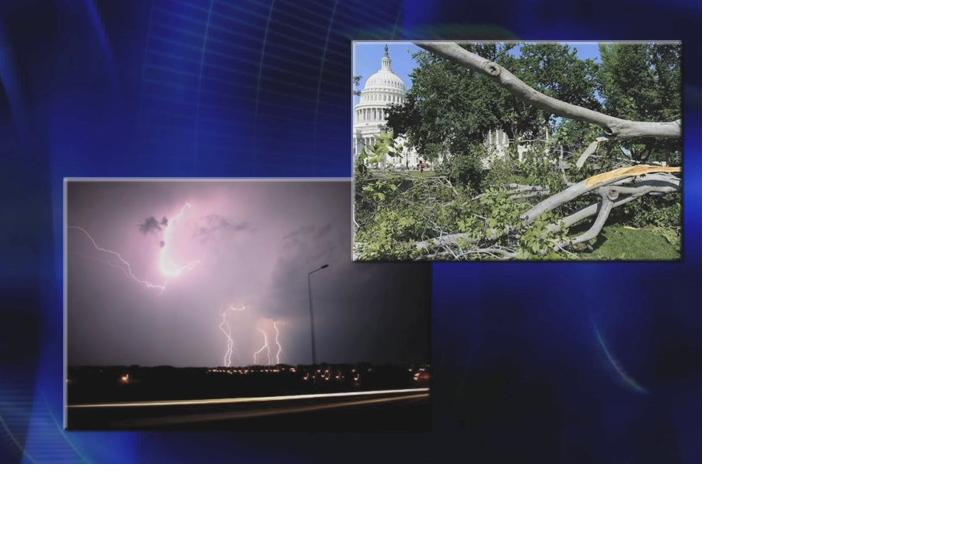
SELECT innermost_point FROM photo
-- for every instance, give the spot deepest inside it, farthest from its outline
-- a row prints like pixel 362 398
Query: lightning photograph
pixel 234 304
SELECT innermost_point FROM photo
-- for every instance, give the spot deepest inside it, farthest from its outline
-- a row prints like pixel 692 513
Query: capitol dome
pixel 385 79
pixel 382 90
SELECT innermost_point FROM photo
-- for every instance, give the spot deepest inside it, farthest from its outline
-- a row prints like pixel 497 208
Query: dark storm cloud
pixel 254 243
pixel 301 250
pixel 152 224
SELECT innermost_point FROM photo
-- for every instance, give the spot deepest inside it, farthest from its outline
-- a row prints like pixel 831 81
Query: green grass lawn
pixel 617 242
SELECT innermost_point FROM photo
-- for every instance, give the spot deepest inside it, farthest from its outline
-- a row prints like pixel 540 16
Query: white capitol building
pixel 383 90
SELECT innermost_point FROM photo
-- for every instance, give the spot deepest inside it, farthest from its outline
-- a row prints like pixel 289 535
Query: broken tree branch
pixel 655 183
pixel 605 206
pixel 653 179
pixel 589 151
pixel 591 184
pixel 617 127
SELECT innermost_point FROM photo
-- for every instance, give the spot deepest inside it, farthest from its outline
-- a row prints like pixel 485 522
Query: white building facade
pixel 383 89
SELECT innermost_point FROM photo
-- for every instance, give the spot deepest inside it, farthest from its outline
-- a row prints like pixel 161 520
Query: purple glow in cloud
pixel 223 246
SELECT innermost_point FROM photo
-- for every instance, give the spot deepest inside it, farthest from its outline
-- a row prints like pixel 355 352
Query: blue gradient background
pixel 550 362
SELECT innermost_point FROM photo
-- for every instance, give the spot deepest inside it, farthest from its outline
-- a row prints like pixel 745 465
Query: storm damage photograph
pixel 234 305
pixel 510 151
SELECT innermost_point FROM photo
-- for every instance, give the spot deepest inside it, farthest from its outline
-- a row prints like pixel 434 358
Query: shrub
pixel 464 170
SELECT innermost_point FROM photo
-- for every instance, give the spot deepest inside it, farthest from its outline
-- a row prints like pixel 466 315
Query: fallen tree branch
pixel 519 191
pixel 528 194
pixel 660 184
pixel 591 184
pixel 605 206
pixel 617 127
pixel 525 187
pixel 654 179
pixel 441 241
pixel 591 148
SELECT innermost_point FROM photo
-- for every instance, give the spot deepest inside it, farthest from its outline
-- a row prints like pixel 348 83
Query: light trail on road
pixel 227 416
pixel 228 401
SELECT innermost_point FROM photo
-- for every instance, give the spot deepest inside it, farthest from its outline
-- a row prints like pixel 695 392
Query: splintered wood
pixel 626 172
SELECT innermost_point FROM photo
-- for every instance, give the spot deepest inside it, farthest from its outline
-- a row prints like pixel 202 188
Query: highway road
pixel 373 410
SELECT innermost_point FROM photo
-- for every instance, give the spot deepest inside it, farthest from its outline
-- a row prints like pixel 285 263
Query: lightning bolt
pixel 168 268
pixel 224 327
pixel 276 340
pixel 124 265
pixel 265 347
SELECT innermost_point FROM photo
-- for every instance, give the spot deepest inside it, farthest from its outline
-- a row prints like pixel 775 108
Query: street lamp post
pixel 313 337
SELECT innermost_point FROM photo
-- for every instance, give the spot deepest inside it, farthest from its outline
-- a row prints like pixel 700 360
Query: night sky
pixel 245 244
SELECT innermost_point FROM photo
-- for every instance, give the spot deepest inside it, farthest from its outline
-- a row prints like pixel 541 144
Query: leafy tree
pixel 382 148
pixel 451 108
pixel 465 169
pixel 557 71
pixel 642 81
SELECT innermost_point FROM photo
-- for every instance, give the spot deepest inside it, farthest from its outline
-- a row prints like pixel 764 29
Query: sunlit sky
pixel 367 56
